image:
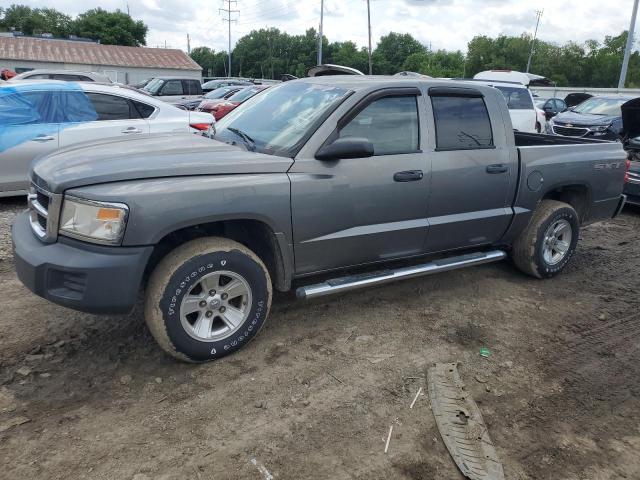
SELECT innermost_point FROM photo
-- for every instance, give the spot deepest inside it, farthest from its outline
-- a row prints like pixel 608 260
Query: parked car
pixel 312 176
pixel 550 106
pixel 631 121
pixel 217 94
pixel 174 89
pixel 219 108
pixel 597 117
pixel 64 75
pixel 225 82
pixel 522 111
pixel 39 117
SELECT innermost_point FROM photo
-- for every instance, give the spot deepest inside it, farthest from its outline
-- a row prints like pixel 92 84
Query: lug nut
pixel 209 313
pixel 222 309
pixel 212 293
pixel 225 296
pixel 203 303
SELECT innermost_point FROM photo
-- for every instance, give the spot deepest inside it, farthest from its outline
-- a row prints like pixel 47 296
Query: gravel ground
pixel 314 395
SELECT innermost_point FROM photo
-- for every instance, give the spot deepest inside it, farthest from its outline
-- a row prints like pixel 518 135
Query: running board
pixel 344 284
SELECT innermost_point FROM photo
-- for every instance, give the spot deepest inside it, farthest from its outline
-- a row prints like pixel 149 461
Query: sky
pixel 442 24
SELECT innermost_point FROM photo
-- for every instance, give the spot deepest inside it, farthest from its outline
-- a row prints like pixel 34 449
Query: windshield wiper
pixel 248 141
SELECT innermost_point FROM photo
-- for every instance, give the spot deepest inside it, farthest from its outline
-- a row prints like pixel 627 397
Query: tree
pixel 111 28
pixel 35 21
pixel 392 51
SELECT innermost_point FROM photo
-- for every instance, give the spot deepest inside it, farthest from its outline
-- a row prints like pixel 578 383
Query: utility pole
pixel 533 42
pixel 228 11
pixel 320 33
pixel 369 23
pixel 188 44
pixel 627 50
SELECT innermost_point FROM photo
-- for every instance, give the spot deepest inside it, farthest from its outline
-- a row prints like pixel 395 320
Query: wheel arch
pixel 576 194
pixel 257 235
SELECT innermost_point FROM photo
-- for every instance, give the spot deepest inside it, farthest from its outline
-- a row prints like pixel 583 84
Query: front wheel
pixel 207 298
pixel 545 247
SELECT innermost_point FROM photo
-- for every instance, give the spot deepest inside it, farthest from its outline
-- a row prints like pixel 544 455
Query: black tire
pixel 178 273
pixel 527 252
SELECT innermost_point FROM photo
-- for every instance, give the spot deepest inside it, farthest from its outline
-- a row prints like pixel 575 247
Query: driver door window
pixel 389 123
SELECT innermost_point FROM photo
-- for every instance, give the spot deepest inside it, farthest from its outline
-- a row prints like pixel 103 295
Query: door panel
pixel 19 145
pixel 472 174
pixel 352 211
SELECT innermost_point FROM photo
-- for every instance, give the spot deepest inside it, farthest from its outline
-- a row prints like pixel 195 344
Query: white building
pixel 120 64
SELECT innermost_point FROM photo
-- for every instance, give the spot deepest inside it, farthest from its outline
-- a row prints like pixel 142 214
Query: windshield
pixel 517 98
pixel 602 106
pixel 154 86
pixel 244 94
pixel 218 93
pixel 281 117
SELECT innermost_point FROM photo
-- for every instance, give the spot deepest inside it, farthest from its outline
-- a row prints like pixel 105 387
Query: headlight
pixel 98 222
pixel 599 128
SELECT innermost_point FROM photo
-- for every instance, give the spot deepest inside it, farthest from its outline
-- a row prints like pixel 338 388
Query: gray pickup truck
pixel 356 180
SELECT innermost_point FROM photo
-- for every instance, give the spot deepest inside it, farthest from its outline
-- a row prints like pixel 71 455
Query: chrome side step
pixel 344 284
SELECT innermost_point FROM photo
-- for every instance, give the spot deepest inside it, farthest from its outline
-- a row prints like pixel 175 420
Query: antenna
pixel 533 42
pixel 369 23
pixel 320 33
pixel 228 19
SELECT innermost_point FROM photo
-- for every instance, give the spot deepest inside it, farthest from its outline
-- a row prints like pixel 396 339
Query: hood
pixel 155 156
pixel 584 119
pixel 631 118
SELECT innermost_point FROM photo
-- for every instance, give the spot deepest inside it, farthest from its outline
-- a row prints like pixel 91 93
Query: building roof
pixel 87 53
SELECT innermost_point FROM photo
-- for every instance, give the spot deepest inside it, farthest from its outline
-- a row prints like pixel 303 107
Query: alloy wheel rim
pixel 557 241
pixel 216 306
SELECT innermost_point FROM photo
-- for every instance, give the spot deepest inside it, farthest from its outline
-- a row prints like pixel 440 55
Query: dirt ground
pixel 314 395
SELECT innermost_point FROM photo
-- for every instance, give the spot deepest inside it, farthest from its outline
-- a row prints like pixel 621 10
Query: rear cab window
pixel 461 121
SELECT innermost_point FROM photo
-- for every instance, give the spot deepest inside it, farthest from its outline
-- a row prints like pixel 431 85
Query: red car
pixel 220 107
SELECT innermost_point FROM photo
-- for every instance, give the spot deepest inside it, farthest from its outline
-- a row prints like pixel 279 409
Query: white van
pixel 524 115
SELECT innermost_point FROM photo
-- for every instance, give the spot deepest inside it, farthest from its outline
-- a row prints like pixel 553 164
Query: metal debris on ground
pixel 416 398
pixel 461 425
pixel 485 352
pixel 262 469
pixel 386 446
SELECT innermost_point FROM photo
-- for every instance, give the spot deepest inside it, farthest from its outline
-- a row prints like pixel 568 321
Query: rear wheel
pixel 545 247
pixel 207 298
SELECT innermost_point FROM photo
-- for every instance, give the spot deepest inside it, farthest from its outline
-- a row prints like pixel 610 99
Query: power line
pixel 533 41
pixel 229 12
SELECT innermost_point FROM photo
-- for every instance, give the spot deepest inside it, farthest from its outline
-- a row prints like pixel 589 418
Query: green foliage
pixel 111 28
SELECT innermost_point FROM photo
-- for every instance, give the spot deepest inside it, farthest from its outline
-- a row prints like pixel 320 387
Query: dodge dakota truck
pixel 353 180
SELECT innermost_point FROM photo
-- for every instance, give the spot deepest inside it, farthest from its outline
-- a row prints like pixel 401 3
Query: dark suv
pixel 598 117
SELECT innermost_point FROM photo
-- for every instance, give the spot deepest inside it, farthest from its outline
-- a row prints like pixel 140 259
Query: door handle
pixel 131 130
pixel 408 176
pixel 497 168
pixel 43 138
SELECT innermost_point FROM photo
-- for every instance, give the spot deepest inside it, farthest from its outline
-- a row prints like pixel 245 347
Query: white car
pixel 38 117
pixel 524 115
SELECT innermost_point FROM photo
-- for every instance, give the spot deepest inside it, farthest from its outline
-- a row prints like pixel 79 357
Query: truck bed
pixel 524 139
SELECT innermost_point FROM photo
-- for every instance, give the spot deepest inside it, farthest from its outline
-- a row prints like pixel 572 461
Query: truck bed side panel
pixel 597 167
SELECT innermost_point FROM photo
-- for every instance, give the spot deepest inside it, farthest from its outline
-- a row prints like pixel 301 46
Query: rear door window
pixel 144 109
pixel 389 123
pixel 462 123
pixel 172 87
pixel 111 107
pixel 70 78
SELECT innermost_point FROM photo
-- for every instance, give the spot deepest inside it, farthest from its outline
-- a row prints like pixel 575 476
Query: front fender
pixel 158 207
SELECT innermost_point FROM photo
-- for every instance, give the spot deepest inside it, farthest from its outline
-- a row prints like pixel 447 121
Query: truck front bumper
pixel 78 275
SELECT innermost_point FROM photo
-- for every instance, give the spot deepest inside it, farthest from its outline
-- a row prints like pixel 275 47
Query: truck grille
pixel 570 131
pixel 44 213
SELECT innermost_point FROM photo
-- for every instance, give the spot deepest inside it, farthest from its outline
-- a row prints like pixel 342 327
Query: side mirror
pixel 349 147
